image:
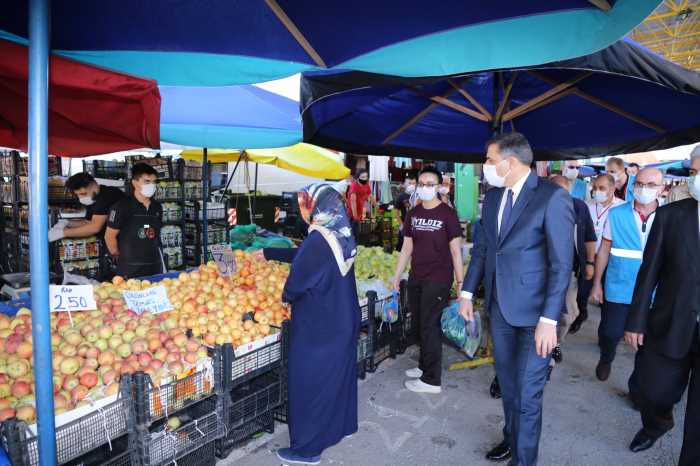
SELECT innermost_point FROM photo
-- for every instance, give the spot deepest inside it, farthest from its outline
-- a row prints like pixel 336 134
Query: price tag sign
pixel 224 258
pixel 154 300
pixel 67 298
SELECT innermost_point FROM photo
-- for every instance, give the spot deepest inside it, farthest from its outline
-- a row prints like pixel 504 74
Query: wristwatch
pixel 590 263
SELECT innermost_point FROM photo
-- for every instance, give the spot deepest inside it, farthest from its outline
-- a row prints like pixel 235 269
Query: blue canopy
pixel 225 42
pixel 232 117
pixel 622 99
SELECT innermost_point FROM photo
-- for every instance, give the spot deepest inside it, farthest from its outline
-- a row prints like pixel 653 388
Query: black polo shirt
pixel 105 199
pixel 139 236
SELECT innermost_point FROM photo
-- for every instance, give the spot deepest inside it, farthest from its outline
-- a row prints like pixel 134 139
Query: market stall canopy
pixel 304 159
pixel 228 116
pixel 224 42
pixel 91 110
pixel 619 100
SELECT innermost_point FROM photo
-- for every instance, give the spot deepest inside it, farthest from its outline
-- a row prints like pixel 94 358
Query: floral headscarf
pixel 322 207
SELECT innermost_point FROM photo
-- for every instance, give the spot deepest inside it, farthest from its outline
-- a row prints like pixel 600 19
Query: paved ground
pixel 586 422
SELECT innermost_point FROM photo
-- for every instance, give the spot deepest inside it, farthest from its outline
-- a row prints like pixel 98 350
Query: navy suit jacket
pixel 529 267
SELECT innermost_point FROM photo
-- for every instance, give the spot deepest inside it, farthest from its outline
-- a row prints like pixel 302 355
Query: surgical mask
pixel 148 190
pixel 492 176
pixel 571 173
pixel 444 190
pixel 600 196
pixel 410 188
pixel 694 187
pixel 86 200
pixel 645 195
pixel 426 193
pixel 616 176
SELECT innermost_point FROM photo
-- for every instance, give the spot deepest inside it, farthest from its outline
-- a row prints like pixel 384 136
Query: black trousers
pixel 426 301
pixel 664 381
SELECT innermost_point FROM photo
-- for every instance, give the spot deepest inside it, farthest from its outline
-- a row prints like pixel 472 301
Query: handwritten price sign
pixel 154 300
pixel 71 298
pixel 224 258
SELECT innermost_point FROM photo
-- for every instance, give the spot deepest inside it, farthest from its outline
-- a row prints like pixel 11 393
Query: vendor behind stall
pixel 133 227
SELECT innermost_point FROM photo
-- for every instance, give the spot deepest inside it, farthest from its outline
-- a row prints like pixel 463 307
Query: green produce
pixel 373 263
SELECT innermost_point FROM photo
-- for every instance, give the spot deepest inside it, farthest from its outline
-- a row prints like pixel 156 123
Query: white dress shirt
pixel 517 189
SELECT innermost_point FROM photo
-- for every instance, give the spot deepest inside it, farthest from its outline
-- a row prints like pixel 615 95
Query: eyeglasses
pixel 637 184
pixel 572 168
pixel 427 185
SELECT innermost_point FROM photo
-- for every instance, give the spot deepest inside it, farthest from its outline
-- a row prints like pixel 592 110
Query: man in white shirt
pixel 602 200
pixel 619 258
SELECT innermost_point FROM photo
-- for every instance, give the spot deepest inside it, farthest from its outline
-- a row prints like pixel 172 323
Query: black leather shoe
pixel 500 452
pixel 495 389
pixel 578 322
pixel 602 371
pixel 556 354
pixel 549 373
pixel 642 441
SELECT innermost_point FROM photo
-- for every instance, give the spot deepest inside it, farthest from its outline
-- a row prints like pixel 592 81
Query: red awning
pixel 91 110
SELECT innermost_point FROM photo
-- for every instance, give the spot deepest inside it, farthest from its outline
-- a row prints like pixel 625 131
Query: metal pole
pixel 205 195
pixel 255 194
pixel 39 14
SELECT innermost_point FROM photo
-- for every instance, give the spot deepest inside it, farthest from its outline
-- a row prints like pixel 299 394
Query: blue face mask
pixel 694 187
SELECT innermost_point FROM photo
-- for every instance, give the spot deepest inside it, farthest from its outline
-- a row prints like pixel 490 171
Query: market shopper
pixel 358 195
pixel 624 237
pixel 404 202
pixel 663 320
pixel 578 188
pixel 133 227
pixel 633 169
pixel 432 244
pixel 445 190
pixel 624 183
pixel 324 328
pixel 583 266
pixel 603 199
pixel 523 257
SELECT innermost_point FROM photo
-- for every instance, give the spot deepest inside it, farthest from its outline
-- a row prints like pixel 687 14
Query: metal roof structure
pixel 673 30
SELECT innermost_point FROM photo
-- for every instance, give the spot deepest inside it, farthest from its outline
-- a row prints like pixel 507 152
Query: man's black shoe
pixel 556 354
pixel 578 322
pixel 500 452
pixel 602 371
pixel 642 441
pixel 549 372
pixel 495 389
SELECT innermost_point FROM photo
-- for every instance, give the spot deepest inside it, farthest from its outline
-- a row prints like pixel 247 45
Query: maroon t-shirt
pixel 431 231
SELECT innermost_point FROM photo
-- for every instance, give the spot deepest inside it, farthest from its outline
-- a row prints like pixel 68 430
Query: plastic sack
pixel 465 335
pixel 363 286
pixel 242 233
pixel 390 309
pixel 73 279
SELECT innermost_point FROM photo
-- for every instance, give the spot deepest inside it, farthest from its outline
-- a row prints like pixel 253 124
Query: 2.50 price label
pixel 71 298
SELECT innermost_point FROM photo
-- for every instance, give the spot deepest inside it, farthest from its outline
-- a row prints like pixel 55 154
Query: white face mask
pixel 444 190
pixel 616 176
pixel 148 190
pixel 645 195
pixel 426 193
pixel 86 200
pixel 492 176
pixel 694 187
pixel 600 196
pixel 571 173
pixel 410 188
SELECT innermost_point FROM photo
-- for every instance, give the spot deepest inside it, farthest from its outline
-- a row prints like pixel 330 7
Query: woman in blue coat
pixel 324 328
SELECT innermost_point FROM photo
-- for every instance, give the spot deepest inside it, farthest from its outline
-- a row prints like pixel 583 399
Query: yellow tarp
pixel 305 159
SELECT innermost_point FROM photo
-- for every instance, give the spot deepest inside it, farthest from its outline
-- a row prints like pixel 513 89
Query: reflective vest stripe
pixel 627 253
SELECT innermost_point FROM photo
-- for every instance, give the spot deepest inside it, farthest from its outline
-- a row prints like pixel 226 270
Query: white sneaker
pixel 414 373
pixel 419 386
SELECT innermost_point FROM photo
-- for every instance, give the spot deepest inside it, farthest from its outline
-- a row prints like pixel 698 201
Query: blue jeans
pixel 611 329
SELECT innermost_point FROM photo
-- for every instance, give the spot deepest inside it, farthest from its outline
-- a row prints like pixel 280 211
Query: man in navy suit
pixel 524 258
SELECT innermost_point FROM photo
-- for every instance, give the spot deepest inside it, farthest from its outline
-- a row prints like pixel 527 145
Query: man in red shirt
pixel 358 194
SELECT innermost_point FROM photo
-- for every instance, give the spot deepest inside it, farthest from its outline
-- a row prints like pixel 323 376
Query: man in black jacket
pixel 667 324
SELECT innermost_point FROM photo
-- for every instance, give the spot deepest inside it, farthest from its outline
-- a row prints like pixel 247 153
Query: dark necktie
pixel 507 209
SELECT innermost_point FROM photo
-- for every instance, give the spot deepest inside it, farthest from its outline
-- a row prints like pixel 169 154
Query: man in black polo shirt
pixel 133 228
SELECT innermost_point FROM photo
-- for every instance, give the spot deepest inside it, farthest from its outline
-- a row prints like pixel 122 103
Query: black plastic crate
pixel 202 456
pixel 115 453
pixel 364 353
pixel 201 426
pixel 247 404
pixel 409 326
pixel 239 436
pixel 162 165
pixel 76 438
pixel 237 370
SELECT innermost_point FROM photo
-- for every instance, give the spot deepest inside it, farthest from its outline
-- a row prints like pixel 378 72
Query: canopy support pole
pixel 255 192
pixel 39 14
pixel 205 198
pixel 602 4
pixel 506 97
pixel 295 32
pixel 471 99
pixel 496 123
pixel 230 178
pixel 453 105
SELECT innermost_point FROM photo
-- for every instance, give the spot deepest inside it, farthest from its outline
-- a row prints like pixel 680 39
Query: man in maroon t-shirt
pixel 432 242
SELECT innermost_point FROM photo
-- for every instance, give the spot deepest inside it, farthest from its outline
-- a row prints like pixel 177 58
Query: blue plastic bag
pixel 465 335
pixel 390 309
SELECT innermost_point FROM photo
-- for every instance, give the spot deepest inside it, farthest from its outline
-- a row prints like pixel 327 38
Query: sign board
pixel 154 300
pixel 224 258
pixel 71 298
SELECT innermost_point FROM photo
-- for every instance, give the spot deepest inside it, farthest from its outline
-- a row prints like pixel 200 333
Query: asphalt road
pixel 586 422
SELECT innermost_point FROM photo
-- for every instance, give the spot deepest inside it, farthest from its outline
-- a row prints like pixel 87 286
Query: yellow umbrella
pixel 302 158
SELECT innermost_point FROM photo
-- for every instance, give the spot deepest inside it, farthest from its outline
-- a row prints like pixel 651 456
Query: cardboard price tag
pixel 154 300
pixel 224 258
pixel 67 298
